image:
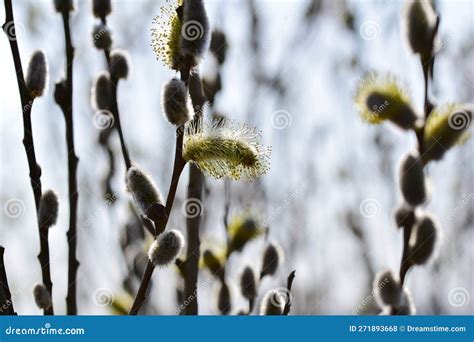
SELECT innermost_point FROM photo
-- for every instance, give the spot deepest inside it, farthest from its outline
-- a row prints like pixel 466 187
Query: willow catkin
pixel 224 303
pixel 101 8
pixel 37 74
pixel 166 248
pixel 271 259
pixel 102 92
pixel 175 102
pixel 144 190
pixel 101 37
pixel 412 180
pixel 119 64
pixel 273 304
pixel 48 209
pixel 62 6
pixel 42 296
pixel 423 239
pixel 213 264
pixel 387 288
pixel 248 283
pixel 194 38
pixel 419 23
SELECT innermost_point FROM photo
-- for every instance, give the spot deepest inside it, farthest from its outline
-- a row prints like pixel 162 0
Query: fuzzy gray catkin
pixel 194 38
pixel 48 209
pixel 387 288
pixel 419 23
pixel 166 248
pixel 423 239
pixel 64 5
pixel 144 190
pixel 272 304
pixel 119 64
pixel 102 92
pixel 175 102
pixel 101 37
pixel 101 8
pixel 42 296
pixel 37 74
pixel 248 283
pixel 224 303
pixel 412 180
pixel 271 259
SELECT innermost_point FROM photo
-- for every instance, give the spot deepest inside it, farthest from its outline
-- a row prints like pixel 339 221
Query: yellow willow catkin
pixel 223 149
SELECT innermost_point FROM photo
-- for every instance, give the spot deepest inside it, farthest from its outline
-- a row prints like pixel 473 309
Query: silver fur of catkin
pixel 64 5
pixel 37 74
pixel 119 64
pixel 423 239
pixel 271 259
pixel 102 92
pixel 224 302
pixel 48 209
pixel 194 38
pixel 166 248
pixel 412 180
pixel 144 190
pixel 101 37
pixel 387 289
pixel 175 102
pixel 42 296
pixel 101 8
pixel 248 283
pixel 272 304
pixel 418 22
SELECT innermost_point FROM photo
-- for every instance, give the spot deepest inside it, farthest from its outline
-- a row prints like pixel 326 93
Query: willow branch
pixel 26 103
pixel 64 98
pixel 160 225
pixel 44 260
pixel 289 284
pixel 6 304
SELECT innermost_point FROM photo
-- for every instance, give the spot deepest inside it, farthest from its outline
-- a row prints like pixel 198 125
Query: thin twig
pixel 6 304
pixel 289 284
pixel 26 103
pixel 66 104
pixel 160 225
pixel 43 258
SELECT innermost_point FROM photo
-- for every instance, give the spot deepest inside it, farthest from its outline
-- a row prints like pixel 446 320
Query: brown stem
pixel 160 226
pixel 405 262
pixel 289 284
pixel 192 223
pixel 26 103
pixel 43 258
pixel 66 104
pixel 6 304
pixel 118 125
pixel 141 294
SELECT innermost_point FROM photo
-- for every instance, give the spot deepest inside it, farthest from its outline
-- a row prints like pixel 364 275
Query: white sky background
pixel 324 164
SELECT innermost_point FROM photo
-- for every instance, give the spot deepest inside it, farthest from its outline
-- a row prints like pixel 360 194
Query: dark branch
pixel 6 304
pixel 289 284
